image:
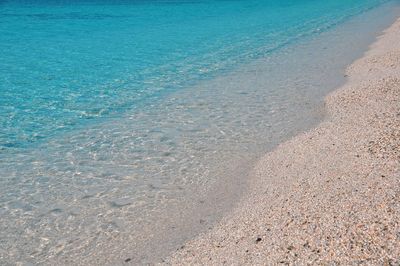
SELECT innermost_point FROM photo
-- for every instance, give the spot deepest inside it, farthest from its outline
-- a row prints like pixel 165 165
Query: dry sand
pixel 330 195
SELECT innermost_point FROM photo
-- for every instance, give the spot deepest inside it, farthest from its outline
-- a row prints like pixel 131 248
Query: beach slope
pixel 331 194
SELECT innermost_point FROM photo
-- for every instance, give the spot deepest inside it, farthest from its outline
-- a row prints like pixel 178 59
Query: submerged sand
pixel 330 195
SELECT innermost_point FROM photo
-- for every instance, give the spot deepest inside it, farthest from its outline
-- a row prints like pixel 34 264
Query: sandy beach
pixel 330 195
pixel 199 132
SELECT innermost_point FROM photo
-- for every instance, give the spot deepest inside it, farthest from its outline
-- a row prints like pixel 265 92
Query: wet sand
pixel 329 195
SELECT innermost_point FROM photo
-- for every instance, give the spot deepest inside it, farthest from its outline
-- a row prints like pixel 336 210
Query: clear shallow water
pixel 115 114
pixel 66 63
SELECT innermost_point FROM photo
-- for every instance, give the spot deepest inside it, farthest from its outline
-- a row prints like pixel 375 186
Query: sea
pixel 130 127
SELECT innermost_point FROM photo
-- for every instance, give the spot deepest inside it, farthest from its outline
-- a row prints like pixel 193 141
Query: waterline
pixel 108 186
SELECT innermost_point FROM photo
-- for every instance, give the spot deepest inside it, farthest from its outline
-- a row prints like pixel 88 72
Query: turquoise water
pixel 64 65
pixel 127 126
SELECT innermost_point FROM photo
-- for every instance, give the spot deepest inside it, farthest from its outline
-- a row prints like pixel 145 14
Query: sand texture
pixel 327 196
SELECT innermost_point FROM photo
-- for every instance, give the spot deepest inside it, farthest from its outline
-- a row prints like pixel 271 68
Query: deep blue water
pixel 125 123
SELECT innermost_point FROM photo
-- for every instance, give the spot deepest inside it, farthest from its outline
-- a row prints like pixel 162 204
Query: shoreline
pixel 330 194
pixel 134 185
